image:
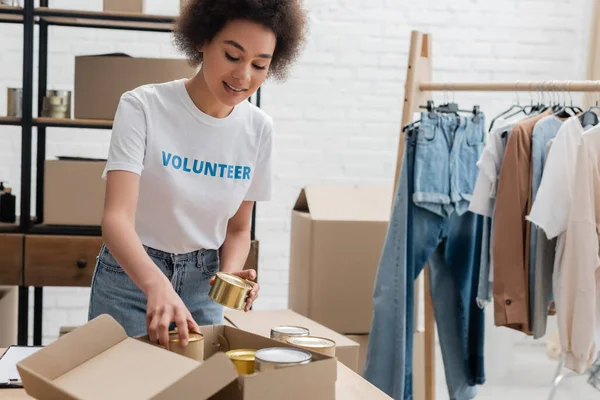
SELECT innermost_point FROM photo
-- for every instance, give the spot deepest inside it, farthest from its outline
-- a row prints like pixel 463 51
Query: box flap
pixel 346 202
pixel 261 322
pixel 203 382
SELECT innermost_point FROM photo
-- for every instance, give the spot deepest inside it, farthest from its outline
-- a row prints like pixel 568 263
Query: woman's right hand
pixel 163 307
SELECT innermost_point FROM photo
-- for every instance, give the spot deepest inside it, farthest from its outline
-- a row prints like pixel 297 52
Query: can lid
pixel 311 341
pixel 282 355
pixel 289 330
pixel 234 280
pixel 192 337
pixel 241 354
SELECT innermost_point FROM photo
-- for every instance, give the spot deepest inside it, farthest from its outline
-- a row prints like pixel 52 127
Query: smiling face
pixel 236 62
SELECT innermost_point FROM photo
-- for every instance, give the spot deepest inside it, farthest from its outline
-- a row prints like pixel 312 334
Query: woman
pixel 187 161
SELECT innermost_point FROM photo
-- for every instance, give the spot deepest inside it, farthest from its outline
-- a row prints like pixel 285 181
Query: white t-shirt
pixel 195 170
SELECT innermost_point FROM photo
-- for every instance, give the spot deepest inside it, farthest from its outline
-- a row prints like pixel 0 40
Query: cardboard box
pixel 261 322
pixel 110 365
pixel 101 80
pixel 363 342
pixel 9 300
pixel 132 6
pixel 73 192
pixel 337 236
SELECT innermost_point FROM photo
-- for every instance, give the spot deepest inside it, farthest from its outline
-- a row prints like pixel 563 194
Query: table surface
pixel 349 386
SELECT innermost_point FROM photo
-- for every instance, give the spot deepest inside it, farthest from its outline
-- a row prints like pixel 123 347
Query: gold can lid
pixel 311 341
pixel 241 354
pixel 234 280
pixel 192 337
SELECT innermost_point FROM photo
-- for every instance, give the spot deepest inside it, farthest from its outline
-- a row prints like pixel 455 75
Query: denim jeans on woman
pixel 430 224
pixel 114 292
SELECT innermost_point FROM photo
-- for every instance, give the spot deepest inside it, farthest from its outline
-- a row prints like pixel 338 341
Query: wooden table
pixel 349 386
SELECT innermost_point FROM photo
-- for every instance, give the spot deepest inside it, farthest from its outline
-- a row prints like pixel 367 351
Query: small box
pixel 9 298
pixel 101 80
pixel 337 237
pixel 110 365
pixel 130 6
pixel 261 322
pixel 73 191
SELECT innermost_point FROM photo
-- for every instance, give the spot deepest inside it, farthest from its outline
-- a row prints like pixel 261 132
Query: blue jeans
pixel 451 245
pixel 113 292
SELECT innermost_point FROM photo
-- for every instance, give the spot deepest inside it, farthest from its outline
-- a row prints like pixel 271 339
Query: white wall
pixel 338 116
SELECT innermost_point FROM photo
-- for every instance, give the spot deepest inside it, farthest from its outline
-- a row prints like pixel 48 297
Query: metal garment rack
pixel 28 224
pixel 418 89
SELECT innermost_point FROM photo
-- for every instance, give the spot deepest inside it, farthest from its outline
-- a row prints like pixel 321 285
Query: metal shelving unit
pixel 44 17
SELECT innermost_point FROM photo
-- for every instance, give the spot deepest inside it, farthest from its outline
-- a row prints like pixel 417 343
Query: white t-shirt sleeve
pixel 261 186
pixel 128 139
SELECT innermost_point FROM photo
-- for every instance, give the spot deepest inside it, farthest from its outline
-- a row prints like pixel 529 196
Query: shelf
pixel 7 227
pixel 10 121
pixel 106 20
pixel 74 230
pixel 11 14
pixel 73 123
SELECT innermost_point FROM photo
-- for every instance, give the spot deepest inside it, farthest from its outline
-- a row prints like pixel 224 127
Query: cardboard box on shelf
pixel 261 322
pixel 131 6
pixel 363 342
pixel 101 80
pixel 337 236
pixel 105 358
pixel 73 191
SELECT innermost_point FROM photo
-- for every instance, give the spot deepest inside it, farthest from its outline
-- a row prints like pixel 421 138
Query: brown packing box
pixel 261 322
pixel 132 6
pixel 110 365
pixel 337 236
pixel 101 80
pixel 363 341
pixel 9 298
pixel 73 192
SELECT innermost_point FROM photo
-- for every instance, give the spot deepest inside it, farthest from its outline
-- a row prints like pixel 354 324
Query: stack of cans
pixel 57 104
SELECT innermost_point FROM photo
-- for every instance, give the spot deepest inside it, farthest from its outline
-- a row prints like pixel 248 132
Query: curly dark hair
pixel 201 20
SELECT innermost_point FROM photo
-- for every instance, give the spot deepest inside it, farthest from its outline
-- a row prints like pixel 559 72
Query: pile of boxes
pixel 337 236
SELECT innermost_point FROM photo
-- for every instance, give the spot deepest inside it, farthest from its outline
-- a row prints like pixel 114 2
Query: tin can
pixel 243 359
pixel 230 290
pixel 57 104
pixel 314 343
pixel 14 103
pixel 283 332
pixel 280 357
pixel 194 348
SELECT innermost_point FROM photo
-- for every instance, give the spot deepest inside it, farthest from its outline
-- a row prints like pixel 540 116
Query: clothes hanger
pixel 565 111
pixel 513 107
pixel 589 117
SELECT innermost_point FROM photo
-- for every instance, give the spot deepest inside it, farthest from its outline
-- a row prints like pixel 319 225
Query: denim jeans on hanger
pixel 440 232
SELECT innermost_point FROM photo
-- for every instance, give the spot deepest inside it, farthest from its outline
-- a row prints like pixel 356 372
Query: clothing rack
pixel 418 90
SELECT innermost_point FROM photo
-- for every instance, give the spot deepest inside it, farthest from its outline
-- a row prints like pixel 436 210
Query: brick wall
pixel 338 115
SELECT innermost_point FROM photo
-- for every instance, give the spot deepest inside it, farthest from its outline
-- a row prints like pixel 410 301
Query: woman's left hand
pixel 249 275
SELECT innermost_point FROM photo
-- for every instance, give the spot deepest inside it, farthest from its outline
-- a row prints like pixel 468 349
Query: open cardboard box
pixel 99 361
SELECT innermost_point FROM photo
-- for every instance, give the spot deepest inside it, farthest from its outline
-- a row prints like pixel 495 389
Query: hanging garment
pixel 484 203
pixel 448 238
pixel 511 231
pixel 579 288
pixel 545 130
pixel 550 211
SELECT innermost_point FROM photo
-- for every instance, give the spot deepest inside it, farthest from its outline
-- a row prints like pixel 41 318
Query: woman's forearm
pixel 234 251
pixel 124 244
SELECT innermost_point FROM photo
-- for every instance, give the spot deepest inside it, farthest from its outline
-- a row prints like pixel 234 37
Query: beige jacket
pixel 579 286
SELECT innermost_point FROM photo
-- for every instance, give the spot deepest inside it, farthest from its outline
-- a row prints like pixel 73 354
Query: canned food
pixel 283 332
pixel 194 348
pixel 57 104
pixel 314 343
pixel 243 359
pixel 280 357
pixel 14 104
pixel 230 290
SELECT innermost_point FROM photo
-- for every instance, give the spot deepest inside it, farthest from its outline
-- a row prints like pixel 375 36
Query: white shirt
pixel 195 170
pixel 484 194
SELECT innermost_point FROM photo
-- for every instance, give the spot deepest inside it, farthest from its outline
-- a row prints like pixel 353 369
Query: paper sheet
pixel 8 363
